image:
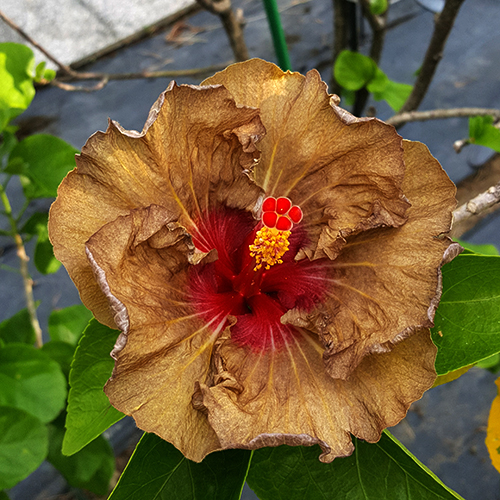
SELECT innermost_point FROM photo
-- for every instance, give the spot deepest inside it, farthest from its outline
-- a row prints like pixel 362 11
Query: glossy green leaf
pixel 158 470
pixel 467 321
pixel 31 381
pixel 16 81
pixel 89 410
pixel 91 468
pixel 378 7
pixel 46 161
pixel 482 132
pixel 481 249
pixel 61 353
pixel 383 470
pixel 68 324
pixel 23 445
pixel 353 70
pixel 18 328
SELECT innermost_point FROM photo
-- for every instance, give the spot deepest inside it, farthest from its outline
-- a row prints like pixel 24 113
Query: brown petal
pixel 345 173
pixel 141 261
pixel 196 149
pixel 285 397
pixel 386 282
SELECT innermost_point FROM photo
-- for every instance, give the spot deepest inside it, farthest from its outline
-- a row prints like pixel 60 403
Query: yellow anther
pixel 269 246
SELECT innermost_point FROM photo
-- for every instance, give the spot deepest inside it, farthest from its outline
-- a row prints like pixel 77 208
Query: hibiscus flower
pixel 273 263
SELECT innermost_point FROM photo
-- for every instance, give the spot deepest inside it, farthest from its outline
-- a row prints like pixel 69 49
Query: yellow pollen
pixel 269 246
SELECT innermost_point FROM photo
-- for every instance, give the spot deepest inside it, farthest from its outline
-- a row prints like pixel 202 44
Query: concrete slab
pixel 73 30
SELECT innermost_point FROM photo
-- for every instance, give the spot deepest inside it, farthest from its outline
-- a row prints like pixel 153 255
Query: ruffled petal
pixel 386 283
pixel 141 262
pixel 196 150
pixel 285 396
pixel 345 173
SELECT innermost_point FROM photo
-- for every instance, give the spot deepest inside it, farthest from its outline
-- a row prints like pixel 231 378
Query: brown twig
pixel 104 78
pixel 231 23
pixel 437 114
pixel 473 208
pixel 434 54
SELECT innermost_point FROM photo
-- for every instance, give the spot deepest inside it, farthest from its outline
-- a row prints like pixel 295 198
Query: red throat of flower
pixel 256 278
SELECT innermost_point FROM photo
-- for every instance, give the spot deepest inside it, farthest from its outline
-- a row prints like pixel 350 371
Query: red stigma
pixel 280 213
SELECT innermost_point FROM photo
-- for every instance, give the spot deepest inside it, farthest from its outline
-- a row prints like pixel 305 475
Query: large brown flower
pixel 272 262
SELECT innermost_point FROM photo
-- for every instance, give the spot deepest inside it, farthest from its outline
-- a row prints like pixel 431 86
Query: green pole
pixel 273 17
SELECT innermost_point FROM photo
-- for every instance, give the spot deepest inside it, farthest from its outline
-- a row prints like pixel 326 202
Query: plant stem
pixel 439 114
pixel 273 17
pixel 23 268
pixel 433 55
pixel 474 208
pixel 232 25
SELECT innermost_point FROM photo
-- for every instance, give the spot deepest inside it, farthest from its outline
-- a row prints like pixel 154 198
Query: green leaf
pixel 61 353
pixel 395 94
pixel 18 328
pixel 68 324
pixel 46 161
pixel 348 97
pixel 378 7
pixel 89 410
pixel 44 258
pixel 49 74
pixel 8 141
pixel 16 82
pixel 23 445
pixel 467 321
pixel 39 71
pixel 481 249
pixel 491 363
pixel 353 70
pixel 91 468
pixel 31 381
pixel 482 132
pixel 32 225
pixel 379 82
pixel 158 470
pixel 383 470
pixel 4 496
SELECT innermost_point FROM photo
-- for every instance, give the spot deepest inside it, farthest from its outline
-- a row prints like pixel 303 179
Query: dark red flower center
pixel 256 277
